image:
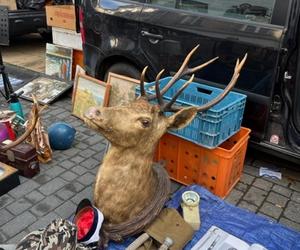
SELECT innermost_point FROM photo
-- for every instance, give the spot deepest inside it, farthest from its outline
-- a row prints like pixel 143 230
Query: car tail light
pixel 81 18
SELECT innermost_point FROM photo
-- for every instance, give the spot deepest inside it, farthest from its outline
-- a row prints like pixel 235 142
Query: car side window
pixel 252 10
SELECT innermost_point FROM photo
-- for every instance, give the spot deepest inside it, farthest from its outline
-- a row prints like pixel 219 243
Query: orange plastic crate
pixel 216 169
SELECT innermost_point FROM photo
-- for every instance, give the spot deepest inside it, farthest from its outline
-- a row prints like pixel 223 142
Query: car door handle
pixel 151 35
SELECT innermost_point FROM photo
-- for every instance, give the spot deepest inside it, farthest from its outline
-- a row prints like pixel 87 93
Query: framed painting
pixel 59 61
pixel 122 89
pixel 45 89
pixel 89 92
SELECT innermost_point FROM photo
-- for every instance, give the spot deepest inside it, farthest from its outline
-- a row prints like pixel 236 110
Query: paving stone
pixel 18 224
pixel 296 196
pixel 3 238
pixel 87 153
pixel 255 196
pixel 271 210
pixel 289 223
pixel 94 140
pixel 35 196
pixel 22 179
pixel 248 206
pixel 247 179
pixel 24 189
pixel 80 145
pixel 250 170
pixel 43 221
pixel 94 171
pixel 69 176
pixel 241 186
pixel 283 182
pixel 19 206
pixel 5 200
pixel 99 156
pixel 72 152
pixel 295 186
pixel 55 171
pixel 52 186
pixel 77 159
pixel 46 205
pixel 66 210
pixel 5 216
pixel 277 199
pixel 79 170
pixel 234 196
pixel 263 184
pixel 42 178
pixel 86 179
pixel 67 164
pixel 292 211
pixel 70 190
pixel 17 238
pixel 87 193
pixel 282 190
pixel 90 163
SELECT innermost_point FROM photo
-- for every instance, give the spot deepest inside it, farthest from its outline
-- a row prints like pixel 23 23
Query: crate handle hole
pixel 204 91
pixel 213 177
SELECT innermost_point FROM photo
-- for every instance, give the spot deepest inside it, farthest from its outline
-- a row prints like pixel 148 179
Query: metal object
pixel 167 244
pixel 4 27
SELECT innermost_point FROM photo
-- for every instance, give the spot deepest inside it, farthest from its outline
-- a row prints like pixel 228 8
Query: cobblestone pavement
pixel 61 184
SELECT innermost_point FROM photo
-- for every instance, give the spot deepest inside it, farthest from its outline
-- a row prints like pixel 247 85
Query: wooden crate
pixel 61 16
pixel 11 4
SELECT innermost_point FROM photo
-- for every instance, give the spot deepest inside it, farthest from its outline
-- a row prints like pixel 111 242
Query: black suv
pixel 124 36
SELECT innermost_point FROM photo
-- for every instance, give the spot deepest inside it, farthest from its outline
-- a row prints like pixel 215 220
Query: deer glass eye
pixel 146 123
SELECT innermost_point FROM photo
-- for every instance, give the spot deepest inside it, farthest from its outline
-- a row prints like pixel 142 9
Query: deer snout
pixel 92 112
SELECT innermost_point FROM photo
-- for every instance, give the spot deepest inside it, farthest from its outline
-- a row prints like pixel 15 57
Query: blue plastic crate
pixel 209 128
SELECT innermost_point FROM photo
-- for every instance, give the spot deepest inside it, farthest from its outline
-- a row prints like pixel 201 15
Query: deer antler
pixel 183 70
pixel 211 103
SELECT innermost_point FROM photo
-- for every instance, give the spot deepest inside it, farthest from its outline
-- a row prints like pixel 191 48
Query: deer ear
pixel 182 118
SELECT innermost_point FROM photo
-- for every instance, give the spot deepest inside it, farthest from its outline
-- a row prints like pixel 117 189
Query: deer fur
pixel 125 181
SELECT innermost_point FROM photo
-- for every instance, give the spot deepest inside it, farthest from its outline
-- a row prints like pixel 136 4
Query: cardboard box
pixel 61 16
pixel 11 4
pixel 65 37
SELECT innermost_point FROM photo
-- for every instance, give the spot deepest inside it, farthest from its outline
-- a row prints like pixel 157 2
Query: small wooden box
pixel 61 16
pixel 9 178
pixel 22 157
pixel 11 4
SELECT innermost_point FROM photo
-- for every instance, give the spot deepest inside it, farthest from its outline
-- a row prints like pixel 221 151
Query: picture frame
pixel 59 61
pixel 122 89
pixel 45 89
pixel 89 92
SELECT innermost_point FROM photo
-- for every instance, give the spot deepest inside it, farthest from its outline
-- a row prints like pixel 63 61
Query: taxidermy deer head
pixel 125 182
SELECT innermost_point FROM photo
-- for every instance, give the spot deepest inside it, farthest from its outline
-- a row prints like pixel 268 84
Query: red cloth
pixel 84 222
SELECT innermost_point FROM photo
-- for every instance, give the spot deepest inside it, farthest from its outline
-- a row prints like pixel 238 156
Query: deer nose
pixel 92 112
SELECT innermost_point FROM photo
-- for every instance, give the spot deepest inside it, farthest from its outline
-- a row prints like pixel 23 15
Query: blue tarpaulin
pixel 239 222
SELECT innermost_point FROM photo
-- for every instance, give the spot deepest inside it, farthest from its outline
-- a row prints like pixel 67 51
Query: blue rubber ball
pixel 61 135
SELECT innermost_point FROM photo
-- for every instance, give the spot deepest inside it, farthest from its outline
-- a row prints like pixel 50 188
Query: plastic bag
pixel 31 4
